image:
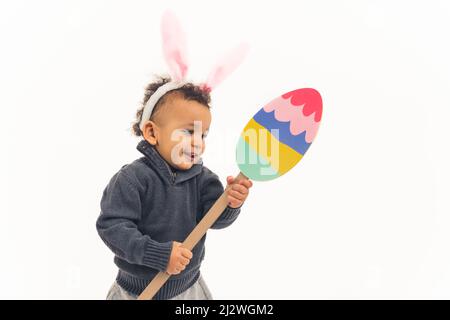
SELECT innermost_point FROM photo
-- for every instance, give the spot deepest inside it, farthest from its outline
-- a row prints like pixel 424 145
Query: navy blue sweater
pixel 146 206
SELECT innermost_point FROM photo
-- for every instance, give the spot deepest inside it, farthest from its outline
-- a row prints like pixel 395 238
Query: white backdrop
pixel 364 215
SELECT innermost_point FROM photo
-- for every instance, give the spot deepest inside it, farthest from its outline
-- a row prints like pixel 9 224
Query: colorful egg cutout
pixel 278 135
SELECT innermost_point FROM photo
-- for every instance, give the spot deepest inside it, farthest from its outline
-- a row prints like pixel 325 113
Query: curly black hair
pixel 189 91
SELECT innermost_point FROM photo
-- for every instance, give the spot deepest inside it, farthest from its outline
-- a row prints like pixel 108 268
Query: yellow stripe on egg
pixel 280 156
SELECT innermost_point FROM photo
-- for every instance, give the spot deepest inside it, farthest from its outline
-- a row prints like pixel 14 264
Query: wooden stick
pixel 191 241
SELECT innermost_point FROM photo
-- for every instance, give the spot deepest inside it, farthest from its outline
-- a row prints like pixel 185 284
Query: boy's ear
pixel 150 133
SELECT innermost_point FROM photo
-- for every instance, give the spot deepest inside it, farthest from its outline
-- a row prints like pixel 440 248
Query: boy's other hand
pixel 179 258
pixel 238 192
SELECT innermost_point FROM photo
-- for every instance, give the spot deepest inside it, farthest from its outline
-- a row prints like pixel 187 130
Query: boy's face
pixel 178 131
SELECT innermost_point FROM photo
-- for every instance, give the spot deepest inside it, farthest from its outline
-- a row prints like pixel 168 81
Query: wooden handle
pixel 191 241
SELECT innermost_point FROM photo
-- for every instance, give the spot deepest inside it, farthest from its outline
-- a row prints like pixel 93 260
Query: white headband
pixel 175 54
pixel 155 97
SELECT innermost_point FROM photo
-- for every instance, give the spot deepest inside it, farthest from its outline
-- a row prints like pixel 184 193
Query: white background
pixel 364 215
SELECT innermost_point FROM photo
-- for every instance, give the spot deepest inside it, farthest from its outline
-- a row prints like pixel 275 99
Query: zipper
pixel 172 174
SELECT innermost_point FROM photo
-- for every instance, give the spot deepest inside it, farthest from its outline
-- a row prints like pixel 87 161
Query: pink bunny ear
pixel 174 46
pixel 226 66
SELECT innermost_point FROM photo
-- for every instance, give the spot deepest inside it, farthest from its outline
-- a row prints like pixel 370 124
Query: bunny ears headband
pixel 175 54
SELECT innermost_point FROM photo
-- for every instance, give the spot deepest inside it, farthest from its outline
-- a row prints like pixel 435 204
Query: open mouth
pixel 190 156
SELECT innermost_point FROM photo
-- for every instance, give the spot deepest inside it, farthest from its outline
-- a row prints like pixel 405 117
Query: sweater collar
pixel 173 175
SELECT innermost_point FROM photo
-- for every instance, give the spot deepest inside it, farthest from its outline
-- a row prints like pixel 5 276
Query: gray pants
pixel 198 291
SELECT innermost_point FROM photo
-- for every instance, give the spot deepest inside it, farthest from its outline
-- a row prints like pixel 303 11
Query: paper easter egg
pixel 279 134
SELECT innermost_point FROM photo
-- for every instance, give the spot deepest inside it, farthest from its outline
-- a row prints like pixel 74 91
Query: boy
pixel 151 205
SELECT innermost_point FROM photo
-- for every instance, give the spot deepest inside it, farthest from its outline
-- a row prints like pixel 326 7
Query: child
pixel 151 205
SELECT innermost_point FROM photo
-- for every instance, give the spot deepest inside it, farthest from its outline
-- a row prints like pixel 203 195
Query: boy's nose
pixel 196 145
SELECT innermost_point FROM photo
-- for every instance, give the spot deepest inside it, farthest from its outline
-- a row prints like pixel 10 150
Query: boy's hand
pixel 238 192
pixel 179 259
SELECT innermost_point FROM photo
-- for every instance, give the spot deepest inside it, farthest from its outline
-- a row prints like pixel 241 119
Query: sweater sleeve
pixel 117 226
pixel 210 190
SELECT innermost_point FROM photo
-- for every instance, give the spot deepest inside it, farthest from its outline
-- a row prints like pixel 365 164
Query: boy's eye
pixel 187 131
pixel 191 132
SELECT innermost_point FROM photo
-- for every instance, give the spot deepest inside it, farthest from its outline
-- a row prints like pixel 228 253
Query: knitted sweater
pixel 146 206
